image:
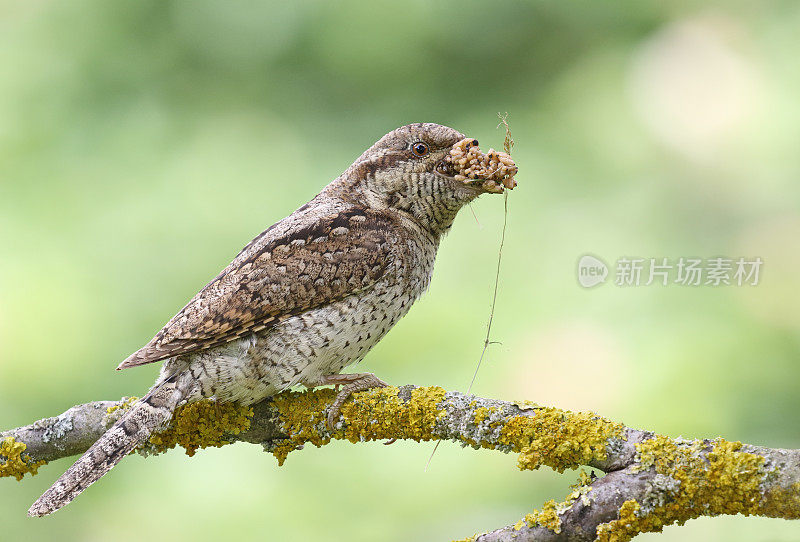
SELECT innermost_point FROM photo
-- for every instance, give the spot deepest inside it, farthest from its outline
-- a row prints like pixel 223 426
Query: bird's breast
pixel 321 341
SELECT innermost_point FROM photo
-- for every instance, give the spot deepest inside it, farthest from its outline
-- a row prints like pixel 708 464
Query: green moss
pixel 559 439
pixel 202 424
pixel 723 480
pixel 14 462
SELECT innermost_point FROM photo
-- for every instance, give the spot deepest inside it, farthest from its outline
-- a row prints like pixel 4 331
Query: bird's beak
pixel 492 172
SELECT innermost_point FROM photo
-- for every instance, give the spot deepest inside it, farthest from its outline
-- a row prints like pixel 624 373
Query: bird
pixel 310 295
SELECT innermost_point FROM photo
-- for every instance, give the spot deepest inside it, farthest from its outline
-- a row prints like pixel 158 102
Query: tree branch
pixel 650 481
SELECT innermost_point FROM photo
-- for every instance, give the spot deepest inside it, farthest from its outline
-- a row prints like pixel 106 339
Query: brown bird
pixel 308 296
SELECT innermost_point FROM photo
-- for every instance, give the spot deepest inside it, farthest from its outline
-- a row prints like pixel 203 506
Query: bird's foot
pixel 350 384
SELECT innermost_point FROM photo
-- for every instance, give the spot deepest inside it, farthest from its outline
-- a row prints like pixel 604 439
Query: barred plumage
pixel 306 298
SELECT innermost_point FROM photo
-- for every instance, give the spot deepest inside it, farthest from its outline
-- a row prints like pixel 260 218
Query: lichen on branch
pixel 15 462
pixel 202 424
pixel 650 480
pixel 707 478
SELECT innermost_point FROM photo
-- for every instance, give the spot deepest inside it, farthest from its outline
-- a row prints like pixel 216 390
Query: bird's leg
pixel 351 383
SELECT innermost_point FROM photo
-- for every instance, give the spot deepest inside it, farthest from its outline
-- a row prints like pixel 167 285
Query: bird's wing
pixel 313 264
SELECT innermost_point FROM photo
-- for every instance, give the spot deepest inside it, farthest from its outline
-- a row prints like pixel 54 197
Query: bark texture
pixel 650 480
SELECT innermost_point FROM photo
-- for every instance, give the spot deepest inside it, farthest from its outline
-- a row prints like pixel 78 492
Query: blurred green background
pixel 142 144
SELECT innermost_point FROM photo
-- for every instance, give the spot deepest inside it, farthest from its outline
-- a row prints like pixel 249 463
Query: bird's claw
pixel 350 383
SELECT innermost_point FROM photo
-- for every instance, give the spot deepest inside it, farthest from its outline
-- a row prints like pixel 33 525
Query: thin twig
pixel 508 144
pixel 472 210
pixel 486 341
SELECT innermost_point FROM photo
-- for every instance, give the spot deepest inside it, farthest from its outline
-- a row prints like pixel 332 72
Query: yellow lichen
pixel 371 415
pixel 14 462
pixel 481 414
pixel 547 517
pixel 785 501
pixel 623 528
pixel 559 439
pixel 202 424
pixel 579 489
pixel 700 478
pixel 302 415
pixel 723 480
pixel 413 419
pixel 584 479
pixel 125 404
pixel 552 437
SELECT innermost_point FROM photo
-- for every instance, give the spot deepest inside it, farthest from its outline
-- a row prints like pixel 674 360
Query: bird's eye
pixel 419 149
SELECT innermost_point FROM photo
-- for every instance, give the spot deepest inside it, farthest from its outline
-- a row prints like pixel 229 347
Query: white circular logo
pixel 591 271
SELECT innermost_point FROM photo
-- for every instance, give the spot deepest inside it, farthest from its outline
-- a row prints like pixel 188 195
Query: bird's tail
pixel 134 428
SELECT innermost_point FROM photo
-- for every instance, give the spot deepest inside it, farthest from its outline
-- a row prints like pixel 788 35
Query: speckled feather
pixel 307 297
pixel 318 261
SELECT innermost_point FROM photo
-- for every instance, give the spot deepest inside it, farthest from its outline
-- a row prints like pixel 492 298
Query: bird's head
pixel 428 172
